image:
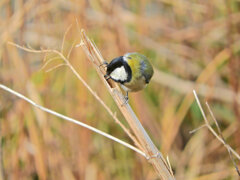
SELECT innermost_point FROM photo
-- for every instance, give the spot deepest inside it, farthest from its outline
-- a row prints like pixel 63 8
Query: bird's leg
pixel 126 99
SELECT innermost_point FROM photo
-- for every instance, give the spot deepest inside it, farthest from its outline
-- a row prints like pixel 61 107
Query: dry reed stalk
pixel 154 156
pixel 5 88
pixel 218 135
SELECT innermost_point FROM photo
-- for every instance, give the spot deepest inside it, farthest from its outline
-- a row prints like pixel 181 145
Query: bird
pixel 132 70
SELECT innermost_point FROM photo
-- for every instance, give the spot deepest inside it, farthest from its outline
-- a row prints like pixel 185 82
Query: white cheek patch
pixel 125 58
pixel 119 74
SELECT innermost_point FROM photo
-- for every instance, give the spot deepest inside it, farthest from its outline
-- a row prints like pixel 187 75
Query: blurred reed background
pixel 191 43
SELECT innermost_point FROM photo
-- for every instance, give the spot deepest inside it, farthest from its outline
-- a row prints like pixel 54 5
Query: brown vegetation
pixel 192 44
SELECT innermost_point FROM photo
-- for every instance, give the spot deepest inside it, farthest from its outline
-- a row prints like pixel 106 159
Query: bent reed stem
pixel 155 157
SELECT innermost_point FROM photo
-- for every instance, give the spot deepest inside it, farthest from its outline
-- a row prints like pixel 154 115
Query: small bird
pixel 132 70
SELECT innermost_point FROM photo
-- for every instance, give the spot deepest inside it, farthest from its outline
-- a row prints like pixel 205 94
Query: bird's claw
pixel 104 63
pixel 107 77
pixel 125 100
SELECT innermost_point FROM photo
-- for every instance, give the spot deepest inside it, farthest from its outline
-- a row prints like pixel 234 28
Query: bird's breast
pixel 135 84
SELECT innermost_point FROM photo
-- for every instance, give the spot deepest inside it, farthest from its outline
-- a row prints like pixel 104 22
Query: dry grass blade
pixel 47 62
pixel 169 164
pixel 220 136
pixel 155 157
pixel 195 130
pixel 55 67
pixel 64 37
pixel 71 120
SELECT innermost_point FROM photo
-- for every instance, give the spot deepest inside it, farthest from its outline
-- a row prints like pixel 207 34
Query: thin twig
pixel 213 117
pixel 220 136
pixel 55 67
pixel 48 61
pixel 201 109
pixel 211 129
pixel 72 120
pixel 169 164
pixel 64 37
pixel 34 50
pixel 70 50
pixel 195 130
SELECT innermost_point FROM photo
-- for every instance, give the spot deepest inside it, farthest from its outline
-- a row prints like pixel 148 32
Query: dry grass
pixel 194 42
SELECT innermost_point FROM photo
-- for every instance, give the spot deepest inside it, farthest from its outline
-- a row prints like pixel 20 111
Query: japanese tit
pixel 132 70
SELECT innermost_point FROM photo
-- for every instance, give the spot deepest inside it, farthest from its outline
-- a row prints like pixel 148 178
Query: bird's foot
pixel 126 99
pixel 107 77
